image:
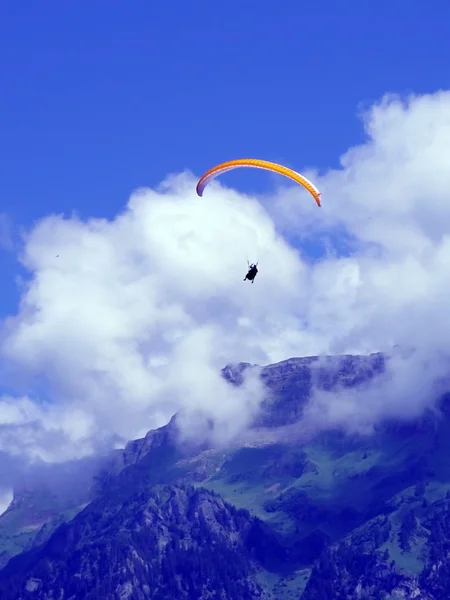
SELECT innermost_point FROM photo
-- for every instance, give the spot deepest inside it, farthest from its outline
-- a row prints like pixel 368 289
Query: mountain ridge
pixel 331 499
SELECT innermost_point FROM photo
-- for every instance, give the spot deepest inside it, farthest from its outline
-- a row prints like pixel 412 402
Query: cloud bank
pixel 124 322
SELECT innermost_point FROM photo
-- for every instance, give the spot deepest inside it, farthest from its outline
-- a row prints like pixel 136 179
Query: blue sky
pixel 102 97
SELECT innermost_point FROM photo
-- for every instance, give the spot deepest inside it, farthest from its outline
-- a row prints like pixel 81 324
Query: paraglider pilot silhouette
pixel 252 271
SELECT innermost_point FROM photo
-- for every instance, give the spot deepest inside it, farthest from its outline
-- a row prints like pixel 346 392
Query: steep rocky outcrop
pixel 166 542
pixel 291 381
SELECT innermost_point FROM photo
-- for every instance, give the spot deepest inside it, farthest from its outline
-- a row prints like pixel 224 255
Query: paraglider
pixel 257 164
pixel 252 272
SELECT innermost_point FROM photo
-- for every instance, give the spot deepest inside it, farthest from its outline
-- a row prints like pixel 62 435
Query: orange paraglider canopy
pixel 257 164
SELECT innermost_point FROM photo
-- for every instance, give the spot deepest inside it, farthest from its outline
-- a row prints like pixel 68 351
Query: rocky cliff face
pixel 166 542
pixel 291 382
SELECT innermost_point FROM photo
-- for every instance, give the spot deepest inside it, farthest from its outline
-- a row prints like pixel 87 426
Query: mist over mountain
pixel 299 511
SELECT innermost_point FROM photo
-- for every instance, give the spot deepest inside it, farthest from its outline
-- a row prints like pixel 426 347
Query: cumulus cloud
pixel 124 322
pixel 115 311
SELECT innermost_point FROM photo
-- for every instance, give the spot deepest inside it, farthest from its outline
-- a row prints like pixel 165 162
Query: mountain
pixel 47 499
pixel 45 496
pixel 331 516
pixel 164 542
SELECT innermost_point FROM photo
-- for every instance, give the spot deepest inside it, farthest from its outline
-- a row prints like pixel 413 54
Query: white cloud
pixel 6 497
pixel 124 322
